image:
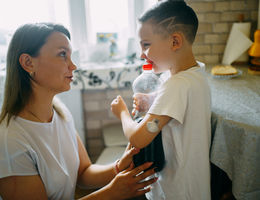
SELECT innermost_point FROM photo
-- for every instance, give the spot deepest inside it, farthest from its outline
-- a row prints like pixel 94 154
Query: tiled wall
pixel 216 18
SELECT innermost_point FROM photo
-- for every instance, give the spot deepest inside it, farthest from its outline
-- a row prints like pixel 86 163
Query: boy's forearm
pixel 135 132
pixel 128 124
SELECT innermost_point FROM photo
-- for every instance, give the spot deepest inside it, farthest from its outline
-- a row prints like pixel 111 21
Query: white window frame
pixel 81 23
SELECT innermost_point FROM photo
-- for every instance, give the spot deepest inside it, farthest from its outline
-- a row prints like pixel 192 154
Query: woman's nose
pixel 72 66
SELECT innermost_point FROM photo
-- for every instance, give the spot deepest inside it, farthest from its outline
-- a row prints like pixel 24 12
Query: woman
pixel 42 156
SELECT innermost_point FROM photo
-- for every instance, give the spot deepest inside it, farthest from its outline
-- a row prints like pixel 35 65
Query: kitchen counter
pixel 235 144
pixel 237 98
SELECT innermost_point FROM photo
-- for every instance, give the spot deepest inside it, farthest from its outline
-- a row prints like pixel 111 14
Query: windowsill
pixel 105 75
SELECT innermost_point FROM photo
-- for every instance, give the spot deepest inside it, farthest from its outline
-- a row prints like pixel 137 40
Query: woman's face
pixel 53 66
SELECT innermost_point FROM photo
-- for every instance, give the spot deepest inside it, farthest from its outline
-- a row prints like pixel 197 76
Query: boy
pixel 181 108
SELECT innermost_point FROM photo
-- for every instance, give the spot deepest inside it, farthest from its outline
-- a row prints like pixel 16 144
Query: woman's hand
pixel 127 157
pixel 118 105
pixel 130 182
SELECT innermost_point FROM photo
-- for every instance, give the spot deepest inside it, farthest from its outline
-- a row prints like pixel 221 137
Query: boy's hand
pixel 118 105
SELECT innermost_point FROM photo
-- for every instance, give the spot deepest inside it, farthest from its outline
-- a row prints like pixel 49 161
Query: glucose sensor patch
pixel 153 126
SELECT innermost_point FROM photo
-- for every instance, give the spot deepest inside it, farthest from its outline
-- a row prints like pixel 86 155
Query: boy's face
pixel 156 49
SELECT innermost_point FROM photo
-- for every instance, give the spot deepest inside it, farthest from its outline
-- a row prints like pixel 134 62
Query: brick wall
pixel 215 17
pixel 97 114
pixel 215 22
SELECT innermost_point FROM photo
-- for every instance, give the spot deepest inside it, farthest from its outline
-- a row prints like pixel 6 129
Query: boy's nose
pixel 143 56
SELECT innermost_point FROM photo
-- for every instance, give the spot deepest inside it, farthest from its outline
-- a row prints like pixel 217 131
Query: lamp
pixel 254 51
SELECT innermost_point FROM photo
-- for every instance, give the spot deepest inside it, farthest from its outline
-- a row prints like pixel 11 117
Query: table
pixel 236 131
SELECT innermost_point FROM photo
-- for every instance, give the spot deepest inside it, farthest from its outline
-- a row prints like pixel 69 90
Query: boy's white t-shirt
pixel 46 149
pixel 185 97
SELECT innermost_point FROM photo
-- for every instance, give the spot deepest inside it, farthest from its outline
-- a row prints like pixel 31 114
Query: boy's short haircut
pixel 172 16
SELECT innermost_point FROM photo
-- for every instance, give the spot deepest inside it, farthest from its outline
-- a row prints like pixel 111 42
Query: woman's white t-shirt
pixel 46 149
pixel 185 97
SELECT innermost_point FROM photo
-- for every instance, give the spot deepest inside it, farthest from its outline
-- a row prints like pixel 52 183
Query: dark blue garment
pixel 152 153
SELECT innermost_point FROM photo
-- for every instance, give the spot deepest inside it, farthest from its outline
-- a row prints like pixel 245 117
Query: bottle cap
pixel 147 66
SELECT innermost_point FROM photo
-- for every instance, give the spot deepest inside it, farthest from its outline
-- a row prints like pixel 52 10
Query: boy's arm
pixel 142 134
pixel 139 134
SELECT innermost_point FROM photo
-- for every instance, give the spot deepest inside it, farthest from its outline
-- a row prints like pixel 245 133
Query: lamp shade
pixel 255 48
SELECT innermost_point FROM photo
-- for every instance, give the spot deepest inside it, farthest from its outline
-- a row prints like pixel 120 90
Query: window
pixel 17 12
pixel 14 13
pixel 114 18
pixel 111 17
pixel 84 18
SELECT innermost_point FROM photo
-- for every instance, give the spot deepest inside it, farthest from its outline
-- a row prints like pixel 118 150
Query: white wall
pixel 72 99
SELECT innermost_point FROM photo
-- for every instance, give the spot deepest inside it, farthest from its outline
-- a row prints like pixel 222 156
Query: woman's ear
pixel 26 62
pixel 177 41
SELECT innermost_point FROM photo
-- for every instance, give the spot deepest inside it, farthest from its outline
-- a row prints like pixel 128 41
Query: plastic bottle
pixel 146 83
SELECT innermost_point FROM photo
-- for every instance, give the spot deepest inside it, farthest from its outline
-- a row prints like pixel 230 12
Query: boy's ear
pixel 177 41
pixel 26 62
